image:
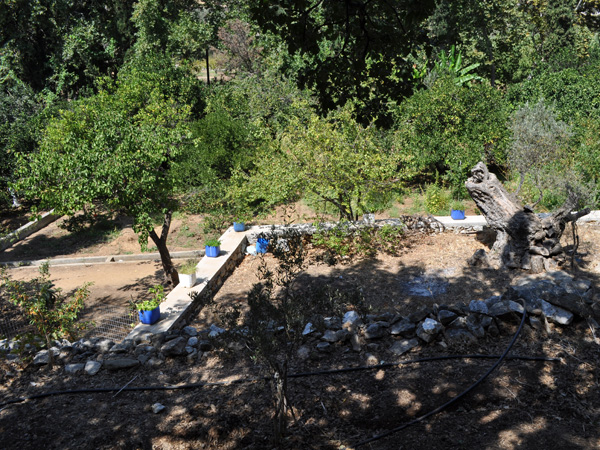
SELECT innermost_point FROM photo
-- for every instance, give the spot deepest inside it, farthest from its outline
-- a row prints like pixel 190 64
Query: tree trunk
pixel 161 245
pixel 523 239
pixel 281 406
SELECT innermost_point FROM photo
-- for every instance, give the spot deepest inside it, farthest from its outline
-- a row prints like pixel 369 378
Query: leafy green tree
pixel 447 129
pixel 117 148
pixel 63 45
pixel 335 159
pixel 349 49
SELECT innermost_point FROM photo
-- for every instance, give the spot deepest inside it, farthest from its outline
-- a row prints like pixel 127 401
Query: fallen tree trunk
pixel 523 239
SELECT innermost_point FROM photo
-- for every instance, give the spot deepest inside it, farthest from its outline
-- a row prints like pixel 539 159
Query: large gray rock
pixel 375 331
pixel 478 306
pixel 120 363
pixel 404 328
pixel 122 347
pixel 428 329
pixel 506 309
pixel 403 346
pixel 92 367
pixel 556 314
pixel 74 368
pixel 104 345
pixel 446 316
pixel 174 347
pixel 351 321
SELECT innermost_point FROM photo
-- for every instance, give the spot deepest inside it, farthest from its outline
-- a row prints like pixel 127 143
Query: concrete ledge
pixel 210 273
pixel 27 230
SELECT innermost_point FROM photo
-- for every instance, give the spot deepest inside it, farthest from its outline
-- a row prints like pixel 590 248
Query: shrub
pixel 51 313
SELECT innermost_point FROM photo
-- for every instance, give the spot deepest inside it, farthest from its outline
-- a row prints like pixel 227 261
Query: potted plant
pixel 239 225
pixel 457 210
pixel 187 274
pixel 212 248
pixel 149 310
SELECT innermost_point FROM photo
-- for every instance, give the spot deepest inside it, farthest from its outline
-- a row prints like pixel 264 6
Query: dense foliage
pixel 339 102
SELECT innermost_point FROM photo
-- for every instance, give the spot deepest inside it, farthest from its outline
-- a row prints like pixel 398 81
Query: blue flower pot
pixel 239 226
pixel 457 214
pixel 149 317
pixel 212 252
pixel 262 245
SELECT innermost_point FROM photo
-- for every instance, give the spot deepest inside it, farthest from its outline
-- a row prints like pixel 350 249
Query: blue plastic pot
pixel 239 226
pixel 212 252
pixel 262 245
pixel 457 214
pixel 150 317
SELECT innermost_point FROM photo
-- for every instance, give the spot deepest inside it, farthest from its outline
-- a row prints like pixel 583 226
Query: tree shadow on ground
pixel 524 404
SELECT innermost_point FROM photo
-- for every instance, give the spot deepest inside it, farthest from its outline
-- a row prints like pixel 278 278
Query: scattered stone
pixel 92 367
pixel 478 306
pixel 120 363
pixel 41 358
pixel 157 407
pixel 190 331
pixel 428 329
pixel 122 347
pixel 74 368
pixel 192 342
pixel 555 314
pixel 474 325
pixel 215 331
pixel 351 321
pixel 446 316
pixel 404 328
pixel 506 309
pixel 308 329
pixel 459 322
pixel 332 323
pixel 419 315
pixel 174 347
pixel 403 346
pixel 144 348
pixel 330 336
pixel 104 345
pixel 375 331
pixel 154 362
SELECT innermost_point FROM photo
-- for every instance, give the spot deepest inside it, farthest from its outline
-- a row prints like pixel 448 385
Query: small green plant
pixel 51 313
pixel 457 205
pixel 158 295
pixel 212 243
pixel 436 199
pixel 189 267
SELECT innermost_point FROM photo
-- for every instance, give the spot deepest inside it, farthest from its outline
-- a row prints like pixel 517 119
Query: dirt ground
pixel 524 404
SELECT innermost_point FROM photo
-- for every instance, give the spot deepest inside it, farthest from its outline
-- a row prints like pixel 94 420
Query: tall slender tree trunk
pixel 161 245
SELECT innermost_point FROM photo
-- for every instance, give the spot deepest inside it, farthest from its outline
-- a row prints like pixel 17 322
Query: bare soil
pixel 524 404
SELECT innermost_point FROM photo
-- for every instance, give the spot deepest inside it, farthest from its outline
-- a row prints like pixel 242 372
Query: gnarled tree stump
pixel 523 239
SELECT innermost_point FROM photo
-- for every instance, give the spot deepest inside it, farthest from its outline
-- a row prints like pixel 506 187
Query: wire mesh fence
pixel 9 328
pixel 112 322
